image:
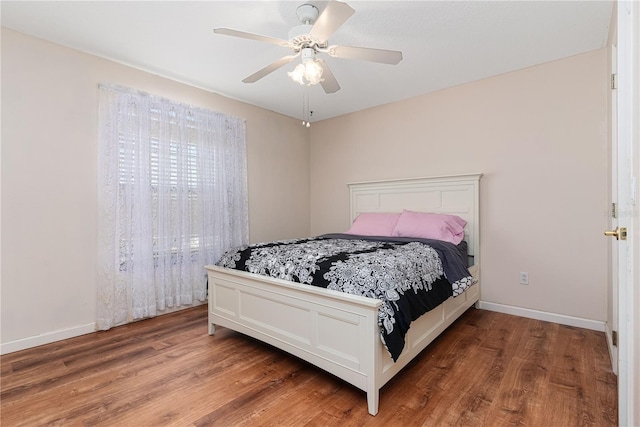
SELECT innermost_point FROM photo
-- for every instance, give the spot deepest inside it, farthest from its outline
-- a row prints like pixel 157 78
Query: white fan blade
pixel 332 17
pixel 269 69
pixel 366 54
pixel 329 82
pixel 251 36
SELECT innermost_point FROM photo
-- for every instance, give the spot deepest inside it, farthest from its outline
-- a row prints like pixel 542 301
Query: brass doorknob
pixel 619 233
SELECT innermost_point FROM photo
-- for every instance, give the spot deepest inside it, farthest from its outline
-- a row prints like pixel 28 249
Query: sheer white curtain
pixel 172 197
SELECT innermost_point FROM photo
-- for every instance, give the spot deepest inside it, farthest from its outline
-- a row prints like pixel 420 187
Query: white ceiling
pixel 444 43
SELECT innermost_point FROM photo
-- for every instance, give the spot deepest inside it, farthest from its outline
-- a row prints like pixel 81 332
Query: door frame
pixel 611 327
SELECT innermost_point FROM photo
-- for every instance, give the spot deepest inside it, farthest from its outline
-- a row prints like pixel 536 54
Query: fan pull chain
pixel 305 107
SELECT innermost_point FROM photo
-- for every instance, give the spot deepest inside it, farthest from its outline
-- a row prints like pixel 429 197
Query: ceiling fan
pixel 310 38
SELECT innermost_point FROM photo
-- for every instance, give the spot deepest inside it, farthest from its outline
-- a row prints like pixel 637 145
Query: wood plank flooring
pixel 487 369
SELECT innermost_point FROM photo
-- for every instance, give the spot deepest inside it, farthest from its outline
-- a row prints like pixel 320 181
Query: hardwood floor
pixel 487 369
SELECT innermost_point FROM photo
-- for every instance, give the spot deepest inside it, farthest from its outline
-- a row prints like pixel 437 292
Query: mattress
pixel 410 276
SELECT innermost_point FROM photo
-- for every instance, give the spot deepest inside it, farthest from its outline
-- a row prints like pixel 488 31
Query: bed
pixel 339 332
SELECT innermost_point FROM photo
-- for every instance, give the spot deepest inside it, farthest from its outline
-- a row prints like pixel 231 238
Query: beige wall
pixel 538 135
pixel 49 161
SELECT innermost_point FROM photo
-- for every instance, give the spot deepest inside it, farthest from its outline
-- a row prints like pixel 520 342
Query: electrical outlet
pixel 524 278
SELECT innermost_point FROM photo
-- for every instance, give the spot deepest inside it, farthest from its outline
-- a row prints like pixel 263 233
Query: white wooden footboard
pixel 337 332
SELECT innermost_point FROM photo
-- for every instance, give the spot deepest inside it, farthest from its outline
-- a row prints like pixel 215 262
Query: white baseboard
pixel 543 315
pixel 46 338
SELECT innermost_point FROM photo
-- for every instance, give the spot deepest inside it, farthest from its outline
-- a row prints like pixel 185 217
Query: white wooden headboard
pixel 456 194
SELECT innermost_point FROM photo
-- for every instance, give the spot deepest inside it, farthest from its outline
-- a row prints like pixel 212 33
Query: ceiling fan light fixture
pixel 297 75
pixel 313 72
pixel 309 72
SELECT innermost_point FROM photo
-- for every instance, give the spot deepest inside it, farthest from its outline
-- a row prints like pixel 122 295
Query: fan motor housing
pixel 299 37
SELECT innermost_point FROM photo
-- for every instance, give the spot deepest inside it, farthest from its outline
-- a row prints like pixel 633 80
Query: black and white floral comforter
pixel 410 276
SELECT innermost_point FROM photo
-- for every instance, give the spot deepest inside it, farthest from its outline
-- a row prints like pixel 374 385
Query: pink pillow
pixel 449 228
pixel 374 224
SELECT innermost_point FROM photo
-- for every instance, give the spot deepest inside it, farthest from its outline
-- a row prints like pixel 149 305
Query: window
pixel 173 197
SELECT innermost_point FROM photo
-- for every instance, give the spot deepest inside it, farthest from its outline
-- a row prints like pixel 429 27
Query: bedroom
pixel 539 136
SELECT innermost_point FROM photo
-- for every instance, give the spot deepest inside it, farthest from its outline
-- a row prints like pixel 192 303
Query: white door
pixel 627 129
